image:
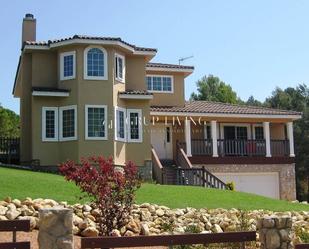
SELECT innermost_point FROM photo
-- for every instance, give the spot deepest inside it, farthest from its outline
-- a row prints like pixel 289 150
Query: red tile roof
pixel 47 43
pixel 164 65
pixel 136 92
pixel 221 108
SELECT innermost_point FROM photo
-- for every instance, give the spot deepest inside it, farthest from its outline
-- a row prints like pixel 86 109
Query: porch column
pixel 291 138
pixel 188 136
pixel 214 138
pixel 267 138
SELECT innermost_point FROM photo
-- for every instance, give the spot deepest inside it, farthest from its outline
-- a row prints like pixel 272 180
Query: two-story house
pixel 82 96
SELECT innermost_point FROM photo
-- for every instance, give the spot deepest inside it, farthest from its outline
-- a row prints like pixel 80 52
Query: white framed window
pixel 49 124
pixel 160 83
pixel 135 128
pixel 68 123
pixel 96 122
pixel 120 124
pixel 258 132
pixel 95 63
pixel 67 65
pixel 120 67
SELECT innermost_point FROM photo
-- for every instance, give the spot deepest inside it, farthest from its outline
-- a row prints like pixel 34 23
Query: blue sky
pixel 252 45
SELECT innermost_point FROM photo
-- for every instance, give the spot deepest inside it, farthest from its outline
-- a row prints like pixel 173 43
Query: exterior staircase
pixel 181 172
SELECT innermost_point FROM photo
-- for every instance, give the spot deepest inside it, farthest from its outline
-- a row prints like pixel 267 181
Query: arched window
pixel 95 66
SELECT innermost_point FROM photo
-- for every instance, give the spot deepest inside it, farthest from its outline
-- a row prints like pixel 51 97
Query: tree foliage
pixel 213 89
pixel 112 188
pixel 9 123
pixel 297 99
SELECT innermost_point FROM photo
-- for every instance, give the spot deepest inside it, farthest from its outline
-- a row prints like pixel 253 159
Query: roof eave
pixel 149 53
pixel 227 115
pixel 172 70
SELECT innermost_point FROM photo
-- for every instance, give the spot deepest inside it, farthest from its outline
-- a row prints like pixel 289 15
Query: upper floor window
pixel 96 127
pixel 95 63
pixel 160 83
pixel 120 67
pixel 67 65
pixel 259 132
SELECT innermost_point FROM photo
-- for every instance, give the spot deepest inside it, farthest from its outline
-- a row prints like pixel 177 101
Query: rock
pixel 77 220
pixel 144 229
pixel 56 228
pixel 129 233
pixel 16 202
pixel 268 223
pixel 146 216
pixel 115 233
pixel 3 210
pixel 160 212
pixel 82 225
pixel 272 239
pixel 216 229
pixel 90 232
pixel 12 214
pixel 95 212
pixel 76 230
pixel 2 217
pixel 134 226
pixel 87 208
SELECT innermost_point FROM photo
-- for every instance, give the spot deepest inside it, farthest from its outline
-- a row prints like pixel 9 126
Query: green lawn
pixel 21 183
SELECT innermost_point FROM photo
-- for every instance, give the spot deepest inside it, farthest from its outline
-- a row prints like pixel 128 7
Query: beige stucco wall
pixel 25 109
pixel 277 131
pixel 135 73
pixel 45 68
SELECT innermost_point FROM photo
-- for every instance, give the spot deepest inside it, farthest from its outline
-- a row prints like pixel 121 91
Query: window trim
pixel 86 77
pixel 105 120
pixel 140 127
pixel 44 138
pixel 119 56
pixel 62 55
pixel 254 131
pixel 61 109
pixel 125 124
pixel 161 75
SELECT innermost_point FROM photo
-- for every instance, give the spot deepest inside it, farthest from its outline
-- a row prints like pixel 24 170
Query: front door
pixel 161 140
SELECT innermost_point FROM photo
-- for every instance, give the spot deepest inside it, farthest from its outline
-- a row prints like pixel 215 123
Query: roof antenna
pixel 184 58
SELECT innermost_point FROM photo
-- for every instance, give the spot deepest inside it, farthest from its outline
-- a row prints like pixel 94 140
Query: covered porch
pixel 239 139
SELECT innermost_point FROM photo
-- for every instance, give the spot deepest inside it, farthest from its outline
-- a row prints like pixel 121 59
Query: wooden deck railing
pixel 168 240
pixel 15 226
pixel 181 158
pixel 302 246
pixel 157 168
pixel 199 177
pixel 241 147
pixel 280 148
pixel 238 147
pixel 9 150
pixel 201 147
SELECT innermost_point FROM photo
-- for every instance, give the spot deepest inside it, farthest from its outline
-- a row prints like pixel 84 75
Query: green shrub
pixel 230 186
pixel 302 234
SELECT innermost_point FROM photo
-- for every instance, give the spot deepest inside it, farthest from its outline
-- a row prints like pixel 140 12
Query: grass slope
pixel 21 183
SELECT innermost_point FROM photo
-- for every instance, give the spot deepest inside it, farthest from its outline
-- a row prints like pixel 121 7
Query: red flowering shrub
pixel 112 188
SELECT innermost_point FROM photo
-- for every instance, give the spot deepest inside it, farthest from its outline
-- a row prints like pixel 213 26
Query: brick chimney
pixel 28 29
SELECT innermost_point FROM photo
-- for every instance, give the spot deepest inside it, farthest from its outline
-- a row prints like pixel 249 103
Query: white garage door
pixel 266 184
